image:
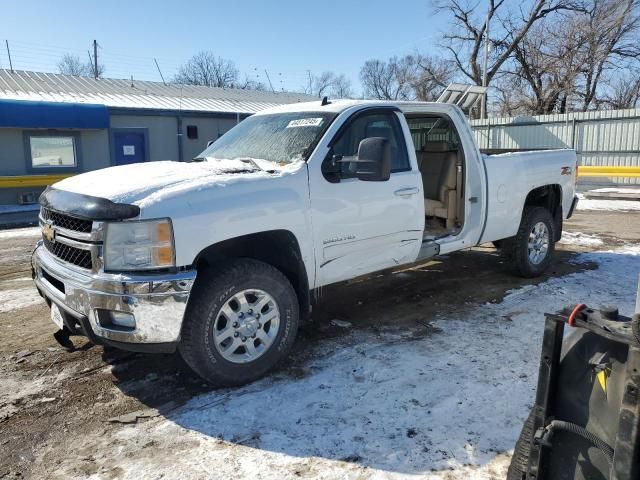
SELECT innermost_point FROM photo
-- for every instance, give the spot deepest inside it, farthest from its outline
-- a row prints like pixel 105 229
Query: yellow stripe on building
pixel 31 180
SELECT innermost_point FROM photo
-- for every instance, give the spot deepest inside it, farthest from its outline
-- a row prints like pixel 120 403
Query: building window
pixel 52 152
pixel 192 131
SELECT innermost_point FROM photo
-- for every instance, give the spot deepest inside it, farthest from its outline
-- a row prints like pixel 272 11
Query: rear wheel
pixel 241 321
pixel 533 245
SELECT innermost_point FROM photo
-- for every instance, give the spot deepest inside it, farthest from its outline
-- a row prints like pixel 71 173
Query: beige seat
pixel 437 162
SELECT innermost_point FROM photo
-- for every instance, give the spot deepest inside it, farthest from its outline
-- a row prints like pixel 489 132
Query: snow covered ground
pixel 628 190
pixel 607 205
pixel 19 233
pixel 580 239
pixel 389 404
pixel 22 295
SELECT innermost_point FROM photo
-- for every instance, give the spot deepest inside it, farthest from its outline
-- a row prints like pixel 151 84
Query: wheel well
pixel 278 248
pixel 549 197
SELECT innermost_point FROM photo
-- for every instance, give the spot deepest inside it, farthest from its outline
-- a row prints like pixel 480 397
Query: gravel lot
pixel 429 373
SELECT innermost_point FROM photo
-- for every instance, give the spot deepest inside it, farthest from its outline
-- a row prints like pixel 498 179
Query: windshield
pixel 282 138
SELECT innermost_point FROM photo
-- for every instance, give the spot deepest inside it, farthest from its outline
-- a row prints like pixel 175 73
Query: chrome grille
pixel 66 221
pixel 67 253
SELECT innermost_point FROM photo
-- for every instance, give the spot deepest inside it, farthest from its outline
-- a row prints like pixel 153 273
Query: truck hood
pixel 144 184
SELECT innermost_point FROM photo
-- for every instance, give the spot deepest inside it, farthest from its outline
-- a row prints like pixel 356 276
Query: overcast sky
pixel 286 37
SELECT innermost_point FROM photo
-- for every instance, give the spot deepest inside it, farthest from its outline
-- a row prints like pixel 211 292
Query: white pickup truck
pixel 218 257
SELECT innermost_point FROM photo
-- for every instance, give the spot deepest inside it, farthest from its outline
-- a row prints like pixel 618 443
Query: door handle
pixel 405 192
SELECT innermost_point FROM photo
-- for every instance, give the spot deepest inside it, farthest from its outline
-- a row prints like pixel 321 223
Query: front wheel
pixel 241 321
pixel 534 245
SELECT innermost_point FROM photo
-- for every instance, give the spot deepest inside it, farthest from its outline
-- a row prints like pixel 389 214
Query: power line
pixel 45 58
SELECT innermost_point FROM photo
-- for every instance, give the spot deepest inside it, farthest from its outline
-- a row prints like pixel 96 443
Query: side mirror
pixel 374 160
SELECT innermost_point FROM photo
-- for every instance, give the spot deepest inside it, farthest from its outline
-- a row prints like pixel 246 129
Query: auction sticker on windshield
pixel 56 316
pixel 305 122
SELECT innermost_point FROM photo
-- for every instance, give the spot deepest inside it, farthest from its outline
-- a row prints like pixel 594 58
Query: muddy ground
pixel 56 395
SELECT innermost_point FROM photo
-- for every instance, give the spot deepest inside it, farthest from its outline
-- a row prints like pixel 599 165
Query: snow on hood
pixel 146 183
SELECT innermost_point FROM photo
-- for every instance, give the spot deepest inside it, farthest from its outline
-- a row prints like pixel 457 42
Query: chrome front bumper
pixel 157 301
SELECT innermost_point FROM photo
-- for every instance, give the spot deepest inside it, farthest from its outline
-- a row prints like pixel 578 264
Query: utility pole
pixel 95 59
pixel 485 61
pixel 269 79
pixel 9 55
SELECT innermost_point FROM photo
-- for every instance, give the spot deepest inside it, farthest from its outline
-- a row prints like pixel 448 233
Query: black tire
pixel 211 291
pixel 519 461
pixel 520 250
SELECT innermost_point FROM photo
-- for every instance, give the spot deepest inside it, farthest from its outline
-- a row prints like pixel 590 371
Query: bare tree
pixel 329 84
pixel 71 65
pixel 412 77
pixel 248 84
pixel 624 92
pixel 546 69
pixel 205 68
pixel 610 38
pixel 320 84
pixel 466 38
pixel 429 76
pixel 383 81
pixel 341 87
pixel 565 62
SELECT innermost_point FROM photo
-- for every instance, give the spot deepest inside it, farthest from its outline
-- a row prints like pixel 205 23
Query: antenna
pixel 9 55
pixel 90 61
pixel 325 101
pixel 269 79
pixel 159 71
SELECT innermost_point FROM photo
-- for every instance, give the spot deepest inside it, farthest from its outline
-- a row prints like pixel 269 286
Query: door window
pixel 384 125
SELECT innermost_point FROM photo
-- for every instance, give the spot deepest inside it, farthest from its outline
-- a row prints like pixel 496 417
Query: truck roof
pixel 338 106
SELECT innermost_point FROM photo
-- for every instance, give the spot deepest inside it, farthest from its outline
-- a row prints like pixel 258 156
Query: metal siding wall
pixel 610 138
pixel 95 149
pixel 209 128
pixel 93 146
pixel 12 155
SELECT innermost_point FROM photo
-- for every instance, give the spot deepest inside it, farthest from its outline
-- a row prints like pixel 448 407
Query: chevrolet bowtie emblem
pixel 48 232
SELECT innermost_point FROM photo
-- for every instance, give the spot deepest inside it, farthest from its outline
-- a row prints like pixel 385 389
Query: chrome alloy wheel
pixel 246 326
pixel 538 243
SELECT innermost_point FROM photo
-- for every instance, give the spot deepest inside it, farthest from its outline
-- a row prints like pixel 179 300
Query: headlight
pixel 139 245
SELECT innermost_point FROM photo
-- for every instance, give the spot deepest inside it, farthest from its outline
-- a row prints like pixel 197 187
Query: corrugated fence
pixel 604 138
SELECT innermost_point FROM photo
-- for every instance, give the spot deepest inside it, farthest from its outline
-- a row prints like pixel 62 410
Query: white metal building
pixel 52 126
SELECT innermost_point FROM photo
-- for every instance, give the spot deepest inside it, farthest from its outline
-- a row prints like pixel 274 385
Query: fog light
pixel 116 320
pixel 122 319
